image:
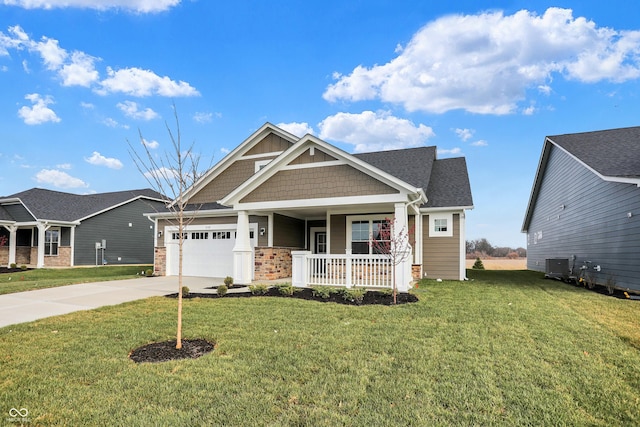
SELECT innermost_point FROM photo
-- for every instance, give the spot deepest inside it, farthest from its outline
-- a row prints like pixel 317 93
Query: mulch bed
pixel 165 351
pixel 370 297
pixel 4 270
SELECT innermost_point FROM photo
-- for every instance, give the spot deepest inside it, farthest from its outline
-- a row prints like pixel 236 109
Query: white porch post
pixel 73 245
pixel 242 251
pixel 401 228
pixel 12 229
pixel 42 228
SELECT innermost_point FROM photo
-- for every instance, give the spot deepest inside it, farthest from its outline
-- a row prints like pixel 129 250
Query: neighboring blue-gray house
pixel 585 207
pixel 45 228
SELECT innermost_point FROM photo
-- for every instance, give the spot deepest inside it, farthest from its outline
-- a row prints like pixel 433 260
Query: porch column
pixel 401 235
pixel 42 228
pixel 73 245
pixel 242 265
pixel 12 229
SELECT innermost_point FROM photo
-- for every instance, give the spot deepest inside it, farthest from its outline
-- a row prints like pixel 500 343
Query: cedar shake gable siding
pixel 269 144
pixel 321 182
pixel 306 157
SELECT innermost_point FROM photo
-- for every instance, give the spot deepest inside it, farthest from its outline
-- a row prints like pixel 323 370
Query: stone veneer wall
pixel 160 261
pixel 273 263
pixel 416 271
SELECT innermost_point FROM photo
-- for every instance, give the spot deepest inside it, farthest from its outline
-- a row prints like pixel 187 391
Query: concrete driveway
pixel 33 305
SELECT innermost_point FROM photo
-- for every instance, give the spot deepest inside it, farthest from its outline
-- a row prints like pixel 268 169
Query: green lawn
pixel 506 348
pixel 52 277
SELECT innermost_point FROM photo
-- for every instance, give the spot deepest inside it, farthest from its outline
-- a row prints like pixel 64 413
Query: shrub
pixel 353 294
pixel 23 267
pixel 228 281
pixel 13 265
pixel 185 291
pixel 285 289
pixel 222 290
pixel 259 289
pixel 323 292
pixel 386 292
pixel 478 265
pixel 148 272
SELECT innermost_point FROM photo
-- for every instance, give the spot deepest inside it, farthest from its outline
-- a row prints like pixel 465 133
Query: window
pixel 364 230
pixel 199 235
pixel 441 225
pixel 221 235
pixel 51 241
pixel 176 236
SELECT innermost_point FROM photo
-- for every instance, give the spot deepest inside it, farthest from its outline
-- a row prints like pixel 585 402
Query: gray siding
pixel 132 244
pixel 578 214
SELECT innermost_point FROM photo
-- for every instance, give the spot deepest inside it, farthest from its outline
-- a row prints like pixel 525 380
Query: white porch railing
pixel 371 271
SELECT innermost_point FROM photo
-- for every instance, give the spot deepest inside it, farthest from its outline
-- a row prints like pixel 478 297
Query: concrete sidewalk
pixel 33 305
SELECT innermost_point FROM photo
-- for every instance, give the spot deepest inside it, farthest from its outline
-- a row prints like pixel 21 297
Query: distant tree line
pixel 481 248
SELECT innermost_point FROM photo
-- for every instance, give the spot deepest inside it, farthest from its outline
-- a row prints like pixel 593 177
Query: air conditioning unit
pixel 557 268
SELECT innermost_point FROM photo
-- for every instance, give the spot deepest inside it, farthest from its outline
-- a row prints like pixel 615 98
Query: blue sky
pixel 484 80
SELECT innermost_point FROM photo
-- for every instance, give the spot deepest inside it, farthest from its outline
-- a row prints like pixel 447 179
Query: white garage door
pixel 207 250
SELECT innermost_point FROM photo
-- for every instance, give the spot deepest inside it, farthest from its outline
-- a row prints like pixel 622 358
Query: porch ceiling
pixel 320 212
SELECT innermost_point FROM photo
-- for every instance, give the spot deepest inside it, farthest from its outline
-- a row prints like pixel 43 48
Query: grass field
pixel 505 348
pixel 501 264
pixel 50 277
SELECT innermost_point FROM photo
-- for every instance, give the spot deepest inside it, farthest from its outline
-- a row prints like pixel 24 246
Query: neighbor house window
pixel 365 230
pixel 51 241
pixel 441 225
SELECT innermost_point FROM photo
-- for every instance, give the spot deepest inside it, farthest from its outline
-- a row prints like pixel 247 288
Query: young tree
pixel 394 244
pixel 171 174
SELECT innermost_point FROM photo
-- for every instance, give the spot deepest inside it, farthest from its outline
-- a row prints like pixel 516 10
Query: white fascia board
pixel 193 214
pixel 281 162
pixel 323 202
pixel 236 154
pixel 635 181
pixel 454 209
pixel 56 223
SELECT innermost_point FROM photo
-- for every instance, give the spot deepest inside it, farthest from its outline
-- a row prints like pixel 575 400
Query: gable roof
pixel 305 143
pixel 613 155
pixel 445 182
pixel 610 153
pixel 59 206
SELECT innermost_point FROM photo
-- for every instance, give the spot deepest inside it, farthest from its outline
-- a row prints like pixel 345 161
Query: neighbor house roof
pixel 59 206
pixel 613 155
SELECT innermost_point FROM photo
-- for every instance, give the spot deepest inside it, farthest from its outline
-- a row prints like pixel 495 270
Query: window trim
pixel 370 218
pixel 440 216
pixel 49 245
pixel 260 164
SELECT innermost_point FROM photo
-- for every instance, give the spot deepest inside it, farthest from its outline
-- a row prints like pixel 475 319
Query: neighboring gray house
pixel 45 228
pixel 585 206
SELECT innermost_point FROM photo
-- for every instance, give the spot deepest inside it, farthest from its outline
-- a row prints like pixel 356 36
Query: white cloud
pixel 369 131
pixel 528 111
pixel 65 166
pixel 480 143
pixel 451 152
pixel 130 109
pixel 138 6
pixel 87 105
pixel 298 129
pixel 138 82
pixel 151 144
pixel 98 159
pixel 486 63
pixel 50 51
pixel 59 179
pixel 110 122
pixel 203 117
pixel 225 150
pixel 39 112
pixel 162 174
pixel 80 72
pixel 464 134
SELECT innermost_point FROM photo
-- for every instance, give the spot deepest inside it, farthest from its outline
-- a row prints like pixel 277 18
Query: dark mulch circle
pixel 166 351
pixel 370 297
